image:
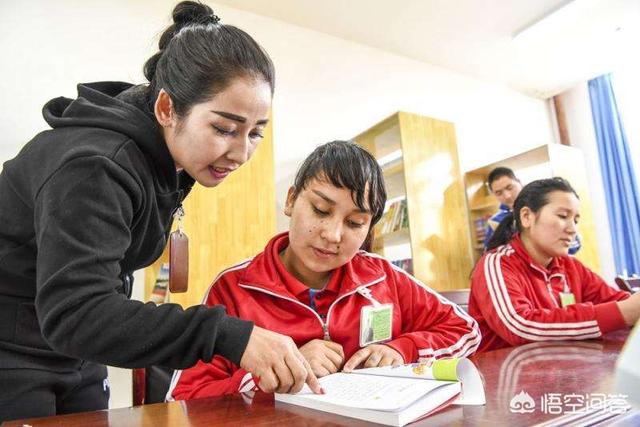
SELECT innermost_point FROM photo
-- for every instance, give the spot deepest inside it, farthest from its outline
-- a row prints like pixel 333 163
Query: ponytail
pixel 504 233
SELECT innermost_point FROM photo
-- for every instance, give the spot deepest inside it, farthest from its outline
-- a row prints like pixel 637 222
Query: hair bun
pixel 192 12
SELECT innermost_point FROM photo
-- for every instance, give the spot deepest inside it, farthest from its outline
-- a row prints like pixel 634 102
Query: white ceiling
pixel 580 40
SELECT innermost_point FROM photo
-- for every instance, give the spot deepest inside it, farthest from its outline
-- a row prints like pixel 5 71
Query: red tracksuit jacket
pixel 424 323
pixel 516 301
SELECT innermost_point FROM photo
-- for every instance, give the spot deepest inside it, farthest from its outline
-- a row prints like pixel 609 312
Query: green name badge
pixel 567 298
pixel 375 324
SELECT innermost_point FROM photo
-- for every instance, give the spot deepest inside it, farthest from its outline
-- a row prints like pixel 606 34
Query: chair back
pixel 629 284
pixel 459 296
pixel 150 385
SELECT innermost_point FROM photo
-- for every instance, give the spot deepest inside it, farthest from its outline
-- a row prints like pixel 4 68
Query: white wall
pixel 327 88
pixel 582 135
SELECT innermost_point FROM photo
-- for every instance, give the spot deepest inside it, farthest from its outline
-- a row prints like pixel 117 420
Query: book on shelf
pixel 395 395
pixel 480 227
pixel 160 291
pixel 395 218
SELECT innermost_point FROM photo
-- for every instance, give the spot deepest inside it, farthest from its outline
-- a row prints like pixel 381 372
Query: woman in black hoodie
pixel 91 200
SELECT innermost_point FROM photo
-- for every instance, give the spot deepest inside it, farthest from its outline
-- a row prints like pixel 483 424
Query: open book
pixel 395 395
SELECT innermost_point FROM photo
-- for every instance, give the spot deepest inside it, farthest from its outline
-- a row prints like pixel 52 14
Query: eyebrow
pixel 237 118
pixel 333 202
pixel 568 210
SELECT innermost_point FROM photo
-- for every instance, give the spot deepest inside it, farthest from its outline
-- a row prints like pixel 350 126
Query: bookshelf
pixel 541 162
pixel 418 232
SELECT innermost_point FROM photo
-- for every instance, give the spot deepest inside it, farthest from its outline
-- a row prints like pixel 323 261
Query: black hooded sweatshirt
pixel 82 205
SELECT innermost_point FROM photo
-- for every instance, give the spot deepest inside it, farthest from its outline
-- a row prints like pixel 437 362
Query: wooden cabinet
pixel 542 162
pixel 419 158
pixel 226 224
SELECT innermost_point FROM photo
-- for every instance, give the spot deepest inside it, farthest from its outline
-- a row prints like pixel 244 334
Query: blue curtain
pixel 620 187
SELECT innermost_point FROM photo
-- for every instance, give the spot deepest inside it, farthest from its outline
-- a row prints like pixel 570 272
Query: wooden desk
pixel 555 367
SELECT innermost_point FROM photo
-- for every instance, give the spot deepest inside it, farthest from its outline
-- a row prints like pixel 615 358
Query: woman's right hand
pixel 276 361
pixel 630 309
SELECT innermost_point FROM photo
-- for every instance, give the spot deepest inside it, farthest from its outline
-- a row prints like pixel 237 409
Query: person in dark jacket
pixel 86 203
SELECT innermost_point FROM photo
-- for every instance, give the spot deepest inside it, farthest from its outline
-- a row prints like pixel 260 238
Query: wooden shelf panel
pixel 530 158
pixel 485 204
pixel 393 168
pixel 393 238
pixel 395 186
pixel 428 175
pixel 383 138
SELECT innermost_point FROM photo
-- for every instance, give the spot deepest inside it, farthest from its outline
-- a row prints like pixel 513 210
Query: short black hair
pixel 346 165
pixel 498 173
pixel 199 57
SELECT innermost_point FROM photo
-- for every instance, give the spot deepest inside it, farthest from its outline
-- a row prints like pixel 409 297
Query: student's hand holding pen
pixel 276 361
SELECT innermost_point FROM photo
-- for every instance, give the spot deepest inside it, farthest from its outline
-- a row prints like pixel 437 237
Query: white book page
pixel 466 373
pixel 411 370
pixel 380 393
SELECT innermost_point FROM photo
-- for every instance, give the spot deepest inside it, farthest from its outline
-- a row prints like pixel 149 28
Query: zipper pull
pixel 325 328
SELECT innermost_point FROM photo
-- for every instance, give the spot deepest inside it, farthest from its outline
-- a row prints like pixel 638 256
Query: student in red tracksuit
pixel 313 282
pixel 527 288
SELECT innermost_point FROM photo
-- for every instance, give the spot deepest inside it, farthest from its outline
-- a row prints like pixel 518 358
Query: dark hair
pixel 534 196
pixel 199 57
pixel 346 165
pixel 498 173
